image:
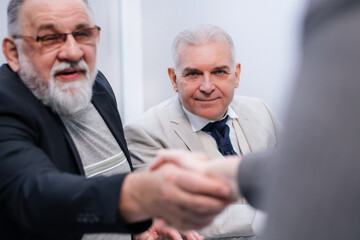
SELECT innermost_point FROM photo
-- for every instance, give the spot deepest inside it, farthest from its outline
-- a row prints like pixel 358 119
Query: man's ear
pixel 237 74
pixel 11 53
pixel 172 76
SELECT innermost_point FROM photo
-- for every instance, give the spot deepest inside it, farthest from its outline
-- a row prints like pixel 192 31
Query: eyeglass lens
pixel 81 36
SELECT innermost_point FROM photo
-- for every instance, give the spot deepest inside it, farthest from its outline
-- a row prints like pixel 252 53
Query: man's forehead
pixel 213 68
pixel 54 3
pixel 204 43
pixel 187 51
pixel 45 13
pixel 204 57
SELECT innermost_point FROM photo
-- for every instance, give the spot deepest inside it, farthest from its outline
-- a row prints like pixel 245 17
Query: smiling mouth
pixel 207 100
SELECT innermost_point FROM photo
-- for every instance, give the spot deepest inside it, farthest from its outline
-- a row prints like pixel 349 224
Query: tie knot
pixel 219 126
pixel 220 132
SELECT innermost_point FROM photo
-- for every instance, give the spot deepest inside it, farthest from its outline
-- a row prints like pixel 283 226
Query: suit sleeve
pixel 142 145
pixel 253 178
pixel 35 195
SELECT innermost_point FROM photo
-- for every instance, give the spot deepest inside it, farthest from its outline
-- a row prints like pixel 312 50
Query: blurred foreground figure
pixel 310 186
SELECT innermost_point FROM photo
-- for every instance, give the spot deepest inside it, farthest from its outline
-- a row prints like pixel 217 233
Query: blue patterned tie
pixel 220 131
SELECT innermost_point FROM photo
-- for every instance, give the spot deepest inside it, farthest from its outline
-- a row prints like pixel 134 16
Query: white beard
pixel 64 98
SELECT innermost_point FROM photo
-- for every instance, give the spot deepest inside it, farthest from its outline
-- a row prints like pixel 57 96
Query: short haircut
pixel 201 34
pixel 13 11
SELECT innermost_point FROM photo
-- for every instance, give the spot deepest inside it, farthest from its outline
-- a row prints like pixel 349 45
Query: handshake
pixel 184 189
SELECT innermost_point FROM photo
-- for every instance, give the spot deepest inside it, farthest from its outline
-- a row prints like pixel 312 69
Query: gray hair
pixel 199 35
pixel 13 15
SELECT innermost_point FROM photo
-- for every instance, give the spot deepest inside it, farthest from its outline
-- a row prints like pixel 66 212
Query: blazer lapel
pixel 242 141
pixel 186 135
pixel 210 148
pixel 249 131
pixel 181 126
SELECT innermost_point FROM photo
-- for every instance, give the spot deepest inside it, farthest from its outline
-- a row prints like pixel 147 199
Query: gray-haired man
pixel 205 76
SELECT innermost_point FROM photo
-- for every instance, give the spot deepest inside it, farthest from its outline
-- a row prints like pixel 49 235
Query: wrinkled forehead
pixel 204 51
pixel 61 14
pixel 225 46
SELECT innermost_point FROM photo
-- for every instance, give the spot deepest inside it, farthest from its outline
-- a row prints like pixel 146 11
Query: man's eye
pixel 192 74
pixel 220 72
pixel 50 37
pixel 83 33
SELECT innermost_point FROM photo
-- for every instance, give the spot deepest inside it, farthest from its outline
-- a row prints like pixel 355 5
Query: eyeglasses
pixel 81 36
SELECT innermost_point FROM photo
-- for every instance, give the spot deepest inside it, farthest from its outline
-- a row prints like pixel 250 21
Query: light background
pixel 136 39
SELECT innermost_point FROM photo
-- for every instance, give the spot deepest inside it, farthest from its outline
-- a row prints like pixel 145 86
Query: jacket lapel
pixel 249 131
pixel 242 141
pixel 181 126
pixel 185 133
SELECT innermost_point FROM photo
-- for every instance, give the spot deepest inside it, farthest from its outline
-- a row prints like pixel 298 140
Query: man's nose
pixel 71 50
pixel 207 84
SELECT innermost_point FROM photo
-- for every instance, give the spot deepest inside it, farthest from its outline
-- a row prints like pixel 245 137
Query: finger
pixel 167 156
pixel 186 196
pixel 189 235
pixel 190 207
pixel 165 230
pixel 143 236
pixel 186 225
pixel 158 222
pixel 200 156
pixel 176 215
pixel 172 233
pixel 199 236
pixel 193 192
pixel 227 172
pixel 217 168
pixel 181 217
pixel 180 158
pixel 200 184
pixel 193 235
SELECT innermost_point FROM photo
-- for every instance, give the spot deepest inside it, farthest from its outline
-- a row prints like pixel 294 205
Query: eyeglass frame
pixel 62 36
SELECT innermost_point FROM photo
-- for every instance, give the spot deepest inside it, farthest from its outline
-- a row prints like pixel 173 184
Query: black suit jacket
pixel 43 191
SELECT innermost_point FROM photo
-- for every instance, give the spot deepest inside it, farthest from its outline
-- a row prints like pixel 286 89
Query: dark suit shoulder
pixel 18 105
pixel 13 92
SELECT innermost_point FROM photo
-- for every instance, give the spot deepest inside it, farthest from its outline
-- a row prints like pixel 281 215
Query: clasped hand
pixel 184 189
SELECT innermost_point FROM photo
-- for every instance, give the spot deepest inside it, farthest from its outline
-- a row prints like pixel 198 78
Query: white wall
pixel 107 16
pixel 136 39
pixel 3 29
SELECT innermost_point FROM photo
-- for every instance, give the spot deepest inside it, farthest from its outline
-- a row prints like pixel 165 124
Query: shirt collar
pixel 197 123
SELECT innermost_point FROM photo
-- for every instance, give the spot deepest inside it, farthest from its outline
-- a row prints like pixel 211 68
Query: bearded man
pixel 64 164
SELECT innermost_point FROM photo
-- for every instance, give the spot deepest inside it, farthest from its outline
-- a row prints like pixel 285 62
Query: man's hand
pixel 160 230
pixel 221 168
pixel 184 198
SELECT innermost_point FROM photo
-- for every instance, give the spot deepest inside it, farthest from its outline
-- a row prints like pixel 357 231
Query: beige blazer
pixel 167 126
